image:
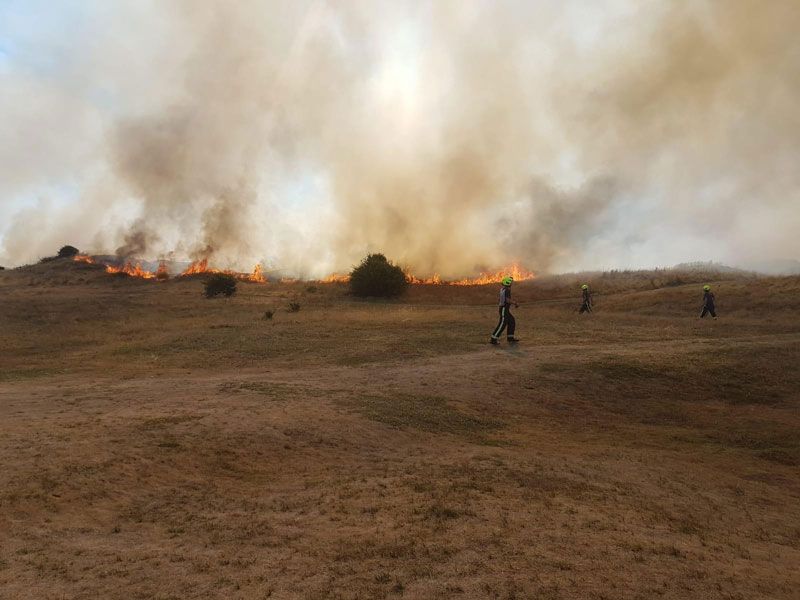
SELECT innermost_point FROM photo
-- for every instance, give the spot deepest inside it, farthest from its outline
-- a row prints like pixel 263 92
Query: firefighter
pixel 586 307
pixel 506 318
pixel 708 303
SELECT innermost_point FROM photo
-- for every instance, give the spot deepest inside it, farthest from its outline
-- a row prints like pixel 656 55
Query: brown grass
pixel 158 444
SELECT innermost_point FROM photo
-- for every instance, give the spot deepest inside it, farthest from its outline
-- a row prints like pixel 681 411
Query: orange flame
pixel 335 278
pixel 131 270
pixel 414 280
pixel 514 270
pixel 257 276
pixel 201 266
pixel 197 267
pixel 84 258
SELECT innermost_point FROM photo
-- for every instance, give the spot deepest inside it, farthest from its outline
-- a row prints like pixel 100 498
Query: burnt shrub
pixel 67 252
pixel 294 307
pixel 268 314
pixel 377 276
pixel 219 284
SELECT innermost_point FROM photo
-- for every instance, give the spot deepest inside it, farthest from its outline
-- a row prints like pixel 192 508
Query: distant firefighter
pixel 586 307
pixel 708 303
pixel 506 318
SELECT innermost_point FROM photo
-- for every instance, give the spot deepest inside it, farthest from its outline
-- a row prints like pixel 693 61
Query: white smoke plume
pixel 452 136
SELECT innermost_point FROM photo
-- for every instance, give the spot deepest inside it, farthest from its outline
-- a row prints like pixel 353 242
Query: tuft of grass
pixel 440 513
pixel 273 391
pixel 9 375
pixel 425 413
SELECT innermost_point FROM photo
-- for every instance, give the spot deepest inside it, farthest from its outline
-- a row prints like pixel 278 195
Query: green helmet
pixel 707 288
pixel 507 280
pixel 584 287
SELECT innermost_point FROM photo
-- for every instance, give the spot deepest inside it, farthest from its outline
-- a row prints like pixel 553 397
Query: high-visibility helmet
pixel 584 287
pixel 507 280
pixel 707 288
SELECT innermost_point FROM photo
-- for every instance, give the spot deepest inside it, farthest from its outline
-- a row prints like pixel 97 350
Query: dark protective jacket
pixel 708 299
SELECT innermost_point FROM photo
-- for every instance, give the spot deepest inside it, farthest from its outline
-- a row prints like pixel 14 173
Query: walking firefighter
pixel 507 320
pixel 586 307
pixel 708 303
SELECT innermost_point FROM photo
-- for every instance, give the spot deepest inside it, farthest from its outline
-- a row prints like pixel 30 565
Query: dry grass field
pixel 156 444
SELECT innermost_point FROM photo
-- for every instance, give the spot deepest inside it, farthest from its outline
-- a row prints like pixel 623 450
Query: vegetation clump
pixel 220 284
pixel 268 314
pixel 67 252
pixel 377 276
pixel 294 307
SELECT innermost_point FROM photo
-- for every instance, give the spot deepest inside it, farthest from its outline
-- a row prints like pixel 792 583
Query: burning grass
pixel 134 269
pixel 201 267
pixel 484 278
pixel 257 275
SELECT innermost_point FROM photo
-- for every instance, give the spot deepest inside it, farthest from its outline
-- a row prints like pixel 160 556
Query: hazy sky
pixel 452 135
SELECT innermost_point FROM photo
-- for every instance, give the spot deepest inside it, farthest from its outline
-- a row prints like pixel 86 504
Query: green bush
pixel 377 276
pixel 220 284
pixel 67 252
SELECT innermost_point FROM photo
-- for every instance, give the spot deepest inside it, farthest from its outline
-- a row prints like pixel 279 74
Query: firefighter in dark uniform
pixel 586 307
pixel 708 303
pixel 507 320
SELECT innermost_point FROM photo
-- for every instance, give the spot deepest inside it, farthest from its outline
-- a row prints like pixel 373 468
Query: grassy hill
pixel 159 444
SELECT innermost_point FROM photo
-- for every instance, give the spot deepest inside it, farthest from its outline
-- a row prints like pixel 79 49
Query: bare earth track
pixel 159 445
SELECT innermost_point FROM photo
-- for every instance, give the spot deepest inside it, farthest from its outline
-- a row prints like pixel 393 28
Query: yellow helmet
pixel 507 280
pixel 584 287
pixel 707 288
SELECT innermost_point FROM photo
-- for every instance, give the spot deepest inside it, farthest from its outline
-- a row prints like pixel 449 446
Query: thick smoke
pixel 451 136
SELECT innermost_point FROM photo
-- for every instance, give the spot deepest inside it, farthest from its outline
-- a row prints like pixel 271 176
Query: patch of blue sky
pixel 305 189
pixel 59 195
pixel 36 35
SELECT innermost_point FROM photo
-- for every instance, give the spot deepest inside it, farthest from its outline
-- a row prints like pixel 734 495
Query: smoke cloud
pixel 451 136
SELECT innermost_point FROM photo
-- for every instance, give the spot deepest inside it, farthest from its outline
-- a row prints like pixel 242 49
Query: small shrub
pixel 377 276
pixel 220 284
pixel 312 289
pixel 2 268
pixel 294 307
pixel 162 274
pixel 67 252
pixel 268 314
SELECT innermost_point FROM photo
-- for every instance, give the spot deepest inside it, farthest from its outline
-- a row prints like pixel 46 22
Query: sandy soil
pixel 157 444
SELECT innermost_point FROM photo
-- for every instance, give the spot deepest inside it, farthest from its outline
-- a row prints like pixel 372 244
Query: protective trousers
pixel 708 310
pixel 585 307
pixel 506 320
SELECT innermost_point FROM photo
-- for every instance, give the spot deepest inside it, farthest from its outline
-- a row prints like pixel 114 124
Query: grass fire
pixel 399 299
pixel 201 267
pixel 627 440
